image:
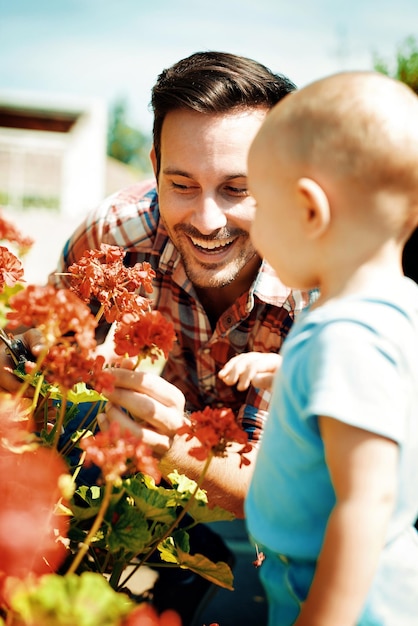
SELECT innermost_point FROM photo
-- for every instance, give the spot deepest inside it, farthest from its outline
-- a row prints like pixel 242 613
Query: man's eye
pixel 237 191
pixel 183 187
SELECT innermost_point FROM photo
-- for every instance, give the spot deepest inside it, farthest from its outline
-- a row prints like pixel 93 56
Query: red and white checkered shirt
pixel 258 321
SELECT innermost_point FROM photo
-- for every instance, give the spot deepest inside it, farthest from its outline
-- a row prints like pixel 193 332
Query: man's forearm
pixel 225 482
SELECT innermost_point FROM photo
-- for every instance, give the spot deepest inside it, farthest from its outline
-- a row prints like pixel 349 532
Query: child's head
pixel 334 171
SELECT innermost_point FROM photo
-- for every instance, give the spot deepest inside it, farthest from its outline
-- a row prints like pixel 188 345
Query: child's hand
pixel 255 368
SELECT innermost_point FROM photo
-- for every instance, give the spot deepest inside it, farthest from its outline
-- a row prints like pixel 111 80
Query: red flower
pixel 148 334
pixel 15 420
pixel 101 275
pixel 66 364
pixel 216 429
pixel 30 530
pixel 57 312
pixel 117 453
pixel 11 269
pixel 9 232
pixel 146 615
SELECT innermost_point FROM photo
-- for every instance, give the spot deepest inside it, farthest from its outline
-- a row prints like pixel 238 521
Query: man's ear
pixel 153 159
pixel 316 210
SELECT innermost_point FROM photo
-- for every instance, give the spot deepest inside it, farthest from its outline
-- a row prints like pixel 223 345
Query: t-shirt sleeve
pixel 356 376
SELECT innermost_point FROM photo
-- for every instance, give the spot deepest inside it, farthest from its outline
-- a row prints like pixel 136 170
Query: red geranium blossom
pixel 57 312
pixel 16 420
pixel 118 452
pixel 101 275
pixel 66 364
pixel 148 335
pixel 9 232
pixel 216 429
pixel 11 269
pixel 30 530
pixel 146 615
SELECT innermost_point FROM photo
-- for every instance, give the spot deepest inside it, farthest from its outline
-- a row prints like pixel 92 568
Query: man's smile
pixel 212 245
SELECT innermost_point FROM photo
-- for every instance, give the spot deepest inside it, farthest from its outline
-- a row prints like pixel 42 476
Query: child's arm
pixel 363 469
pixel 255 368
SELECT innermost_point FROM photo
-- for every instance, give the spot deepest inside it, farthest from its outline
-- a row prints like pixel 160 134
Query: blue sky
pixel 115 49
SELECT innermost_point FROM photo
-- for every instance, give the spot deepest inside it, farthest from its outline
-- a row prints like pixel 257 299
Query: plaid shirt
pixel 258 321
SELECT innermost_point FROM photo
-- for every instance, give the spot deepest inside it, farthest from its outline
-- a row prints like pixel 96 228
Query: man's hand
pixel 8 381
pixel 154 408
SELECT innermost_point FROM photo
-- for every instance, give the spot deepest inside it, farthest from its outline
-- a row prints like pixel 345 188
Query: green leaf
pixel 155 503
pixel 186 486
pixel 207 514
pixel 219 573
pixel 92 497
pixel 199 509
pixel 129 533
pixel 80 393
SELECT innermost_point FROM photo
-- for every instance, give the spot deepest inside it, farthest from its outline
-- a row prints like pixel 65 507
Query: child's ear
pixel 316 210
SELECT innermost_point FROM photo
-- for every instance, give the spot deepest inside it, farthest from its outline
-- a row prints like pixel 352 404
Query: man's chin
pixel 210 278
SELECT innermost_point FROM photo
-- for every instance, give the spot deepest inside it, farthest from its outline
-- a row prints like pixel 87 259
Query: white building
pixel 52 152
pixel 53 169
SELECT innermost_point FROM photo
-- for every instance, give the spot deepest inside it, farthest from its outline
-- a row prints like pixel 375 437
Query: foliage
pixel 126 143
pixel 406 66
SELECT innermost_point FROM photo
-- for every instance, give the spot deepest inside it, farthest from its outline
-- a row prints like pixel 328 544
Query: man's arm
pixel 157 409
pixel 363 469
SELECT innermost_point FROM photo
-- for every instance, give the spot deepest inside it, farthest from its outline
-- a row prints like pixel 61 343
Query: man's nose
pixel 208 215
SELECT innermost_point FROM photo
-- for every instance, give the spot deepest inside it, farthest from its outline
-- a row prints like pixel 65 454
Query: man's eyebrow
pixel 172 171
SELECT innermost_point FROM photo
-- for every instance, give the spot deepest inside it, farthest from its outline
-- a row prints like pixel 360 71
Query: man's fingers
pixel 158 442
pixel 150 385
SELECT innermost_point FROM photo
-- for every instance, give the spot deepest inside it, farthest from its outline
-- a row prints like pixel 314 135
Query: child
pixel 334 495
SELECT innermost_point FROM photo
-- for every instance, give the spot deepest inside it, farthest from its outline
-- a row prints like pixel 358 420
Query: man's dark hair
pixel 214 82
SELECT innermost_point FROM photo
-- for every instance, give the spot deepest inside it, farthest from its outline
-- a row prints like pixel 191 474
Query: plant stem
pixel 60 421
pixel 99 313
pixel 176 522
pixel 117 570
pixel 93 530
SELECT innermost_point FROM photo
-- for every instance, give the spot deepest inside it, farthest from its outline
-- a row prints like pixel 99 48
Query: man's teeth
pixel 211 245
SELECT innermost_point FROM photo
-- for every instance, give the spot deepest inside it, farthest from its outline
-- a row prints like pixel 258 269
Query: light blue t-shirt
pixel 355 360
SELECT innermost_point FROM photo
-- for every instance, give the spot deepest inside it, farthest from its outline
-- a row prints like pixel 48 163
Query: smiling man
pixel 192 225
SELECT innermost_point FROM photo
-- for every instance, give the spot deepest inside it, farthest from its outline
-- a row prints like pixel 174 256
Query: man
pixel 192 225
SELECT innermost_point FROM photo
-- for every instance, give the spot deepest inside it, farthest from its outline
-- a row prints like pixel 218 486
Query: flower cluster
pixel 11 234
pixel 33 487
pixel 11 269
pixel 101 275
pixel 119 453
pixel 148 334
pixel 68 330
pixel 216 430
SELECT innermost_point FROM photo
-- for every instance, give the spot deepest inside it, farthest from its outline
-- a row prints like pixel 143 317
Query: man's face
pixel 203 194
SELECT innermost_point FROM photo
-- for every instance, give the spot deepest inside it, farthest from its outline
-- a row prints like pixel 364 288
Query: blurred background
pixel 76 77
